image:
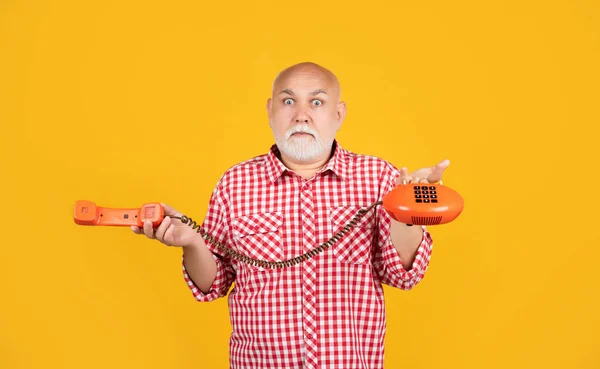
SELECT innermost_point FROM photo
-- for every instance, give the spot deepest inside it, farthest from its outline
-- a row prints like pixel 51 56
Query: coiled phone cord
pixel 276 264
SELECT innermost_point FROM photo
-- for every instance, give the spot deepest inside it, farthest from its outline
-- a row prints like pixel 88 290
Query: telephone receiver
pixel 88 213
pixel 413 203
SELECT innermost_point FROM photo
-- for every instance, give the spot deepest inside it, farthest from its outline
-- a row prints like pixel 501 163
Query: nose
pixel 301 116
pixel 302 113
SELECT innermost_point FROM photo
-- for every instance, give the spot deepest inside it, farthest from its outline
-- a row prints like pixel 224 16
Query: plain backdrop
pixel 124 103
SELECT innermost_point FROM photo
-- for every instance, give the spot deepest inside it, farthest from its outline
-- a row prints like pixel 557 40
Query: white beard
pixel 303 149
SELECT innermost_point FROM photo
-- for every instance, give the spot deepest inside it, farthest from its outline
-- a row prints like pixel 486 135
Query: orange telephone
pixel 423 203
pixel 413 204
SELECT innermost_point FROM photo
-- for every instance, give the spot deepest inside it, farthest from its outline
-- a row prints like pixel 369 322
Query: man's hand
pixel 407 240
pixel 423 175
pixel 171 232
pixel 199 262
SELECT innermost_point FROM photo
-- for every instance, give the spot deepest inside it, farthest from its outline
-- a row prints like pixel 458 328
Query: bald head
pixel 305 112
pixel 322 77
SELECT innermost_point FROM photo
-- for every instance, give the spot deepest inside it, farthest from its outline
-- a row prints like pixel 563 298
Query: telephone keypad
pixel 425 194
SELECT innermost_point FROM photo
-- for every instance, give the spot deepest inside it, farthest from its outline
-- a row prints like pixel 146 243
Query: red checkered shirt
pixel 329 311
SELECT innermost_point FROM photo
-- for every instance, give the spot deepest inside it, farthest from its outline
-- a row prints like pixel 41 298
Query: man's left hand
pixel 424 175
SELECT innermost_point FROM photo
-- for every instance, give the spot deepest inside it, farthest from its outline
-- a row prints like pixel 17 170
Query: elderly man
pixel 327 311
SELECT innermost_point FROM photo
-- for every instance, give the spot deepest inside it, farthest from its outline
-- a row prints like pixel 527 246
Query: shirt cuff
pixel 215 288
pixel 420 263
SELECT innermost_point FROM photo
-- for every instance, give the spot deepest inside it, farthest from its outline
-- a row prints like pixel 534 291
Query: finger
pixel 444 163
pixel 424 181
pixel 441 166
pixel 162 229
pixel 415 180
pixel 170 211
pixel 136 230
pixel 148 229
pixel 403 176
pixel 438 170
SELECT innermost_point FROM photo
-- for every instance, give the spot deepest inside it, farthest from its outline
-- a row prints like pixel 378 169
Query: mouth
pixel 301 134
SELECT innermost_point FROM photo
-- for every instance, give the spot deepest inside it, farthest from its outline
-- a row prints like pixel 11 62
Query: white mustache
pixel 302 129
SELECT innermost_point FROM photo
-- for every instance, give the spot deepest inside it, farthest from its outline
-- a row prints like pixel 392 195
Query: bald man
pixel 327 311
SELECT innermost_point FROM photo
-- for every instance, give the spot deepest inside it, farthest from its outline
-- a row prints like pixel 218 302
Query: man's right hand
pixel 171 232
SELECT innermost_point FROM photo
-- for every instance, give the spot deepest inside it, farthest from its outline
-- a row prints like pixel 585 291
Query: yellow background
pixel 129 102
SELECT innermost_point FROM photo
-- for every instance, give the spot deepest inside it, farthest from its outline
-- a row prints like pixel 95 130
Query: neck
pixel 306 170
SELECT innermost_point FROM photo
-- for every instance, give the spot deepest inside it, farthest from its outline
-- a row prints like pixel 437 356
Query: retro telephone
pixel 412 204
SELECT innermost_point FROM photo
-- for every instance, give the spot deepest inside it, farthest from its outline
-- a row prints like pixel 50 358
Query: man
pixel 328 311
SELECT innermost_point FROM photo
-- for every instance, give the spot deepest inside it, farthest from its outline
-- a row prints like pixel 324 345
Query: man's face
pixel 305 114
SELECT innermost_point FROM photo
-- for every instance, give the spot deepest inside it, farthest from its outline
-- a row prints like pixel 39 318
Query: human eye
pixel 317 102
pixel 288 101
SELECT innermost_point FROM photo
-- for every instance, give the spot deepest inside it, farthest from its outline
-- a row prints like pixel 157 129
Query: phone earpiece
pixel 423 203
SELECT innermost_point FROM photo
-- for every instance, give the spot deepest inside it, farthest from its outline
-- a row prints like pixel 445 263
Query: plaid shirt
pixel 329 311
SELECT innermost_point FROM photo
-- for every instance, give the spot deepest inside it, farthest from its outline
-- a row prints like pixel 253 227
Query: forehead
pixel 301 81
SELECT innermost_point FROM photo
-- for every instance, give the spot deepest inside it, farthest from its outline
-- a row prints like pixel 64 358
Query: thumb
pixel 438 170
pixel 169 211
pixel 441 165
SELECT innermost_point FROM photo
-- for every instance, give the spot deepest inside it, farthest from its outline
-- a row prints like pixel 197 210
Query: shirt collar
pixel 338 163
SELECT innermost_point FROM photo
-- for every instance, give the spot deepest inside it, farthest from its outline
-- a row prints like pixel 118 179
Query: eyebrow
pixel 290 92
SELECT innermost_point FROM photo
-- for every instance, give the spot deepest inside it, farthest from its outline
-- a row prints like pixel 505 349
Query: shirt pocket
pixel 258 236
pixel 355 246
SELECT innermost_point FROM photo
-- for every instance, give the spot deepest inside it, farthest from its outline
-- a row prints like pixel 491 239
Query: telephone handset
pixel 88 213
pixel 413 204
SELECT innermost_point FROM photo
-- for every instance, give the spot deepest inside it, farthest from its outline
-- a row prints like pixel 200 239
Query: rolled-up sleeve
pixel 387 263
pixel 223 281
pixel 215 223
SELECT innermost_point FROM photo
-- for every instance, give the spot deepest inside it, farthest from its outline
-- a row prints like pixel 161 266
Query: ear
pixel 341 114
pixel 269 107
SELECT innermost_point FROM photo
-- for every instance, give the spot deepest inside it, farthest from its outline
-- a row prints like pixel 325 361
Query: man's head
pixel 305 112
